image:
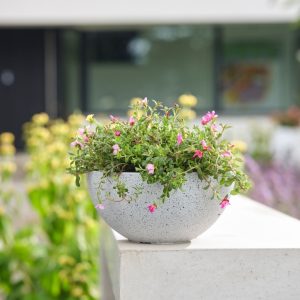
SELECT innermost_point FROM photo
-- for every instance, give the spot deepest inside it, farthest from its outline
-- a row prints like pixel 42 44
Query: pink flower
pixel 80 131
pixel 225 202
pixel 198 154
pixel 208 117
pixel 113 118
pixel 150 168
pixel 99 206
pixel 76 143
pixel 226 154
pixel 90 131
pixel 117 133
pixel 214 128
pixel 116 149
pixel 204 145
pixel 179 138
pixel 145 101
pixel 152 207
pixel 85 138
pixel 131 121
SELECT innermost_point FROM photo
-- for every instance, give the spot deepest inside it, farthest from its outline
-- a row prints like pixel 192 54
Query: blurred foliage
pixel 57 258
pixel 290 117
pixel 275 185
pixel 260 145
pixel 274 182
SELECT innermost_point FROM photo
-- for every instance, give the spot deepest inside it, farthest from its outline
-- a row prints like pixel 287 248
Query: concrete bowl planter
pixel 184 216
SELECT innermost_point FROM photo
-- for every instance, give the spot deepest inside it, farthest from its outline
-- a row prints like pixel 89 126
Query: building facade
pixel 235 61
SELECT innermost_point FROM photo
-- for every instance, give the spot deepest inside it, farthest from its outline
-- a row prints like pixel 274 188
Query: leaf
pixel 206 187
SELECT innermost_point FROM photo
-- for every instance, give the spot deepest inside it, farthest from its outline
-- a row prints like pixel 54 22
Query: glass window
pixel 256 67
pixel 158 62
pixel 257 73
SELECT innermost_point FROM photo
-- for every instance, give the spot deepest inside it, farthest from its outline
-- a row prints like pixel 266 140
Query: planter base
pixel 186 214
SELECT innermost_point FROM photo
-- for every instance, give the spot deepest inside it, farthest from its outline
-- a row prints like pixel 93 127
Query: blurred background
pixel 60 60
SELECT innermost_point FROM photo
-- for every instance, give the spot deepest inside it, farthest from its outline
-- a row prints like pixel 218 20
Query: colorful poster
pixel 245 82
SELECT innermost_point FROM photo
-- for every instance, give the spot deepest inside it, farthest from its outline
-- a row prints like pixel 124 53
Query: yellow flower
pixel 57 148
pixel 77 291
pixel 240 145
pixel 66 260
pixel 188 100
pixel 40 119
pixel 80 196
pixel 8 167
pixel 7 149
pixel 40 133
pixel 75 120
pixel 62 213
pixel 67 179
pixel 7 138
pixel 82 266
pixel 187 114
pixel 55 163
pixel 60 129
pixel 135 101
pixel 90 223
pixel 138 113
pixel 32 142
pixel 90 118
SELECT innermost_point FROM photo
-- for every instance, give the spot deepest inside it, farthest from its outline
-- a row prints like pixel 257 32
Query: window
pixel 257 73
pixel 160 62
pixel 234 68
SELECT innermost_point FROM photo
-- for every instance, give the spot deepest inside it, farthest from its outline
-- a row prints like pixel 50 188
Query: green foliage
pixel 57 258
pixel 261 145
pixel 151 138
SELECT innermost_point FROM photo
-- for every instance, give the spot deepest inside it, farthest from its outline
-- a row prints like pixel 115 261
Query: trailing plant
pixel 156 143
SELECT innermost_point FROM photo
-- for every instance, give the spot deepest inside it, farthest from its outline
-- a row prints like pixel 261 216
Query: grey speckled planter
pixel 184 216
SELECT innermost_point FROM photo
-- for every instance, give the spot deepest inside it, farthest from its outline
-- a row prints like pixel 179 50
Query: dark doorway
pixel 21 78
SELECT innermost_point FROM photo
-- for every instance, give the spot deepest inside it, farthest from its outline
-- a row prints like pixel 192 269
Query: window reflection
pixel 237 68
pixel 159 62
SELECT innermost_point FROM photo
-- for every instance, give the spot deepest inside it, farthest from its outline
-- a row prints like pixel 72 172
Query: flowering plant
pixel 156 143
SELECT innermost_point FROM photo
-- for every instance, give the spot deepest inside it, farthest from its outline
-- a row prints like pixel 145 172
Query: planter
pixel 188 213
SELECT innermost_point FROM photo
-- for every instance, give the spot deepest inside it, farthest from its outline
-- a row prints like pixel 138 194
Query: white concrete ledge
pixel 252 252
